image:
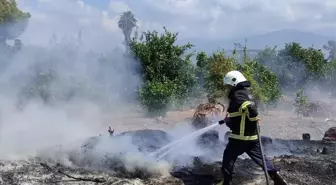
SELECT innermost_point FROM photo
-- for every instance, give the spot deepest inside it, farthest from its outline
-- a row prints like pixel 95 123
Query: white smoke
pixel 89 76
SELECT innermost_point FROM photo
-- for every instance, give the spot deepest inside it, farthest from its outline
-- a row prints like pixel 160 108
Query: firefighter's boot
pixel 223 182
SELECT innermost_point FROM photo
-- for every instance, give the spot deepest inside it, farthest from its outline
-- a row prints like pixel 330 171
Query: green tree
pixel 264 83
pixel 217 65
pixel 309 64
pixel 127 23
pixel 201 59
pixel 168 73
pixel 249 71
pixel 201 62
pixel 13 20
pixel 294 65
pixel 330 79
pixel 331 48
pixel 38 88
pixel 301 102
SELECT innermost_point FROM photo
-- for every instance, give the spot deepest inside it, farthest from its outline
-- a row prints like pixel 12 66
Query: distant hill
pixel 259 42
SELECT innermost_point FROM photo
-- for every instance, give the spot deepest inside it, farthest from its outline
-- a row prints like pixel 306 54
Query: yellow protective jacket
pixel 242 114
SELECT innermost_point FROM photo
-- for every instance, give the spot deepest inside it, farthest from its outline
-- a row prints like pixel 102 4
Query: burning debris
pixel 306 136
pixel 203 116
pixel 204 111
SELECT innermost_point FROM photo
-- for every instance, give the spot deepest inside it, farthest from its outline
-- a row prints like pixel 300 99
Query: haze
pixel 207 24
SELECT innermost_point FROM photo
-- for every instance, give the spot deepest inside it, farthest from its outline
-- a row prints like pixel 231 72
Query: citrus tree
pixel 13 20
pixel 264 83
pixel 217 65
pixel 168 74
pixel 294 65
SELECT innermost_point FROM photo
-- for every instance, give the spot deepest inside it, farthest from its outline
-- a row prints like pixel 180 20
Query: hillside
pixel 258 42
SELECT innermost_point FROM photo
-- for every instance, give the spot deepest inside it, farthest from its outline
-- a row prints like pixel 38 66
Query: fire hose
pixel 263 156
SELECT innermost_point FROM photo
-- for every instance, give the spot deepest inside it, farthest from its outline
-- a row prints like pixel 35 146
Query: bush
pixel 170 77
pixel 294 65
pixel 266 82
pixel 168 72
pixel 265 87
pixel 301 102
pixel 11 17
pixel 155 96
pixel 216 67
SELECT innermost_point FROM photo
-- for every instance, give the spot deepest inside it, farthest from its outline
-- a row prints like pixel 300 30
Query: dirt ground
pixel 283 124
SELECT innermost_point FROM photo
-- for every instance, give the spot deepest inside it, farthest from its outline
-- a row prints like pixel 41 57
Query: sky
pixel 207 19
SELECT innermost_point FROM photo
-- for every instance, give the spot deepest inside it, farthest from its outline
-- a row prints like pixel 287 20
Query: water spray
pixel 173 145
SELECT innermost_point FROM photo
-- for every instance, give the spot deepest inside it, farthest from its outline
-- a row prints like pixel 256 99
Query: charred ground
pixel 305 165
pixel 302 162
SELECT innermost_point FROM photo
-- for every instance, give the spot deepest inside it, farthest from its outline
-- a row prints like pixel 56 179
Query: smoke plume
pixel 67 76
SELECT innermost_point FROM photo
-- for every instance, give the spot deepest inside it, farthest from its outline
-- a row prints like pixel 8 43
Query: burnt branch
pixel 97 180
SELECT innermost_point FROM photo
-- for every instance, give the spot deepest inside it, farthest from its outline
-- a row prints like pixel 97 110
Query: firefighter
pixel 242 119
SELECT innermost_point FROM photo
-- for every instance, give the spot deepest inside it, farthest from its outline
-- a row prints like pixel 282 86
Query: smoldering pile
pixel 125 154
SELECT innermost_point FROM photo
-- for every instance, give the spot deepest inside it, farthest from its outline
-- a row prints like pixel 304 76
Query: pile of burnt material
pixel 330 135
pixel 314 168
pixel 204 114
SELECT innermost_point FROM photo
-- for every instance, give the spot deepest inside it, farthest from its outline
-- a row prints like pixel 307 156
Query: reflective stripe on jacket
pixel 243 113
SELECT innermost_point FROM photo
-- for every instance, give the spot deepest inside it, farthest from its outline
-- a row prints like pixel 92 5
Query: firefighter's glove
pixel 221 122
pixel 228 122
